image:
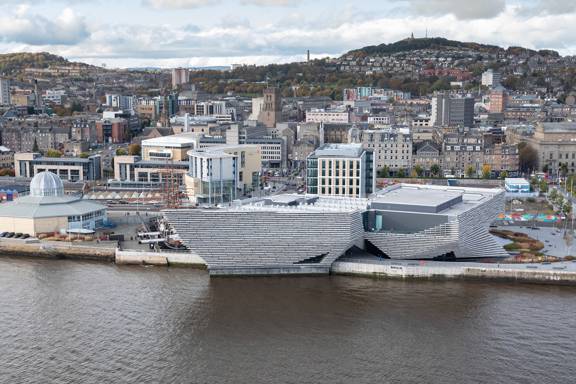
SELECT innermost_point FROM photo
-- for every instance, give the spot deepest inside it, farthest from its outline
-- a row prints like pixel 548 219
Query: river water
pixel 79 322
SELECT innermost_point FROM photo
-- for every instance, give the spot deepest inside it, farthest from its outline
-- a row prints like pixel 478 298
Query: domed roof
pixel 46 184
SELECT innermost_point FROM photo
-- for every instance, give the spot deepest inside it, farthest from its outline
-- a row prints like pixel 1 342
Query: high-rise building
pixel 4 91
pixel 491 78
pixel 452 111
pixel 180 76
pixel 341 170
pixel 271 108
pixel 497 100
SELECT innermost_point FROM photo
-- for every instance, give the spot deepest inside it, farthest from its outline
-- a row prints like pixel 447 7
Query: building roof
pixel 47 199
pixel 339 150
pixel 516 181
pixel 46 184
pixel 183 140
pixel 209 153
pixel 31 207
pixel 44 159
pixel 568 127
pixel 415 199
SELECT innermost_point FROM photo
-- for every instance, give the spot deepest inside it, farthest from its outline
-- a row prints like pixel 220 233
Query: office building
pixel 67 168
pixel 556 145
pixel 5 92
pixel 491 78
pixel 112 131
pixel 392 147
pixel 180 76
pixel 452 111
pixel 341 170
pixel 497 100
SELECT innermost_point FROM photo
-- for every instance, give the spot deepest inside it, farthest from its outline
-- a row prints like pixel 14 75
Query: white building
pixel 212 178
pixel 48 210
pixel 341 170
pixel 120 102
pixel 491 78
pixel 54 97
pixel 381 120
pixel 327 116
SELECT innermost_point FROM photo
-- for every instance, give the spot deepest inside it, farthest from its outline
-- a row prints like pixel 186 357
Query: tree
pixel 527 157
pixel 543 186
pixel 84 155
pixel 503 175
pixel 35 147
pixel 134 149
pixel 564 169
pixel 418 170
pixel 401 173
pixel 384 172
pixel 7 172
pixel 470 171
pixel 435 170
pixel 121 152
pixel 567 208
pixel 486 171
pixel 553 194
pixel 53 153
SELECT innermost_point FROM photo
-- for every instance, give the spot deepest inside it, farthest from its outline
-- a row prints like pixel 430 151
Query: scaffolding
pixel 171 194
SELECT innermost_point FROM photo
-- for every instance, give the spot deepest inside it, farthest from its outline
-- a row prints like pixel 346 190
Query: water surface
pixel 72 322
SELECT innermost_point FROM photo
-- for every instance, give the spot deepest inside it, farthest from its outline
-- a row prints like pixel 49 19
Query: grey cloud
pixel 34 29
pixel 461 9
pixel 179 4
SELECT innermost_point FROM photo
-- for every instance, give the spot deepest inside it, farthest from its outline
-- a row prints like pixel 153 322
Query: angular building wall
pixel 283 240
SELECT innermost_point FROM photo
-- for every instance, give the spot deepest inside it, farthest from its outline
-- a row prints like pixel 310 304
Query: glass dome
pixel 46 184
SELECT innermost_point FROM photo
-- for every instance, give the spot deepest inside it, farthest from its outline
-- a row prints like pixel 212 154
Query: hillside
pixel 15 62
pixel 439 43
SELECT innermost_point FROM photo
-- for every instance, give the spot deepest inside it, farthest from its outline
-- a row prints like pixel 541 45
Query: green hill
pixel 440 43
pixel 412 44
pixel 16 62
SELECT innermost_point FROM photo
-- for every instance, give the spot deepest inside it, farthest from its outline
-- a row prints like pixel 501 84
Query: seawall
pixel 557 273
pixel 133 257
pixel 57 250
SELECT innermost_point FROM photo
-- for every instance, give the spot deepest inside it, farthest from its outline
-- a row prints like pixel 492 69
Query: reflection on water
pixel 67 321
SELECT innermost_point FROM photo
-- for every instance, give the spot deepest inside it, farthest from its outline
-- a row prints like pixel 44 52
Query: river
pixel 80 322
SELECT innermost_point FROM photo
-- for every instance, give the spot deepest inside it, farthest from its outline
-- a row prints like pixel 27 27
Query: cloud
pixel 276 3
pixel 34 29
pixel 179 4
pixel 188 4
pixel 461 9
pixel 279 37
pixel 550 7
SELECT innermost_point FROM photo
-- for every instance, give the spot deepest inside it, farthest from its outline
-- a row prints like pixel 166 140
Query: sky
pixel 171 33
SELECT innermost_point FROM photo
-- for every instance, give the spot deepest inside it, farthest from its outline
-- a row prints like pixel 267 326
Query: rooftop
pixel 182 140
pixel 416 199
pixel 568 127
pixel 339 150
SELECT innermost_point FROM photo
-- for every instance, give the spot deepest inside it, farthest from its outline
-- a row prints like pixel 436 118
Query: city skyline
pixel 171 33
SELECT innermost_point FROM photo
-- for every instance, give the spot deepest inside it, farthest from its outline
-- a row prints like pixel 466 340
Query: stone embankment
pixel 133 257
pixel 555 273
pixel 104 251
